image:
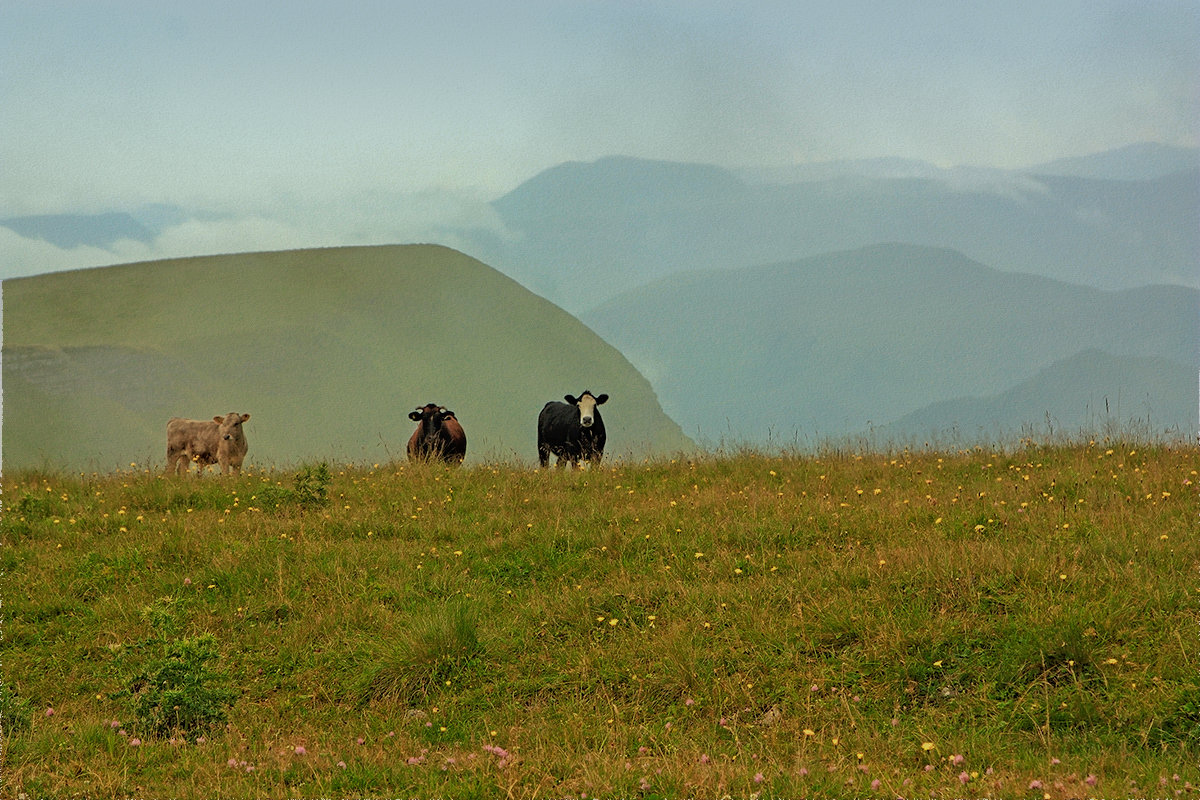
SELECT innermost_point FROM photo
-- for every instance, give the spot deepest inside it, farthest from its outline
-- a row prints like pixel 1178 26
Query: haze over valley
pixel 891 339
pixel 767 224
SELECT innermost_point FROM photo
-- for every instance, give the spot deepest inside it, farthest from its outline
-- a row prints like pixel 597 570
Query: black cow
pixel 438 436
pixel 572 430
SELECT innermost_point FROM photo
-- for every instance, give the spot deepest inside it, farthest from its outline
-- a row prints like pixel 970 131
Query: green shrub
pixel 310 487
pixel 178 692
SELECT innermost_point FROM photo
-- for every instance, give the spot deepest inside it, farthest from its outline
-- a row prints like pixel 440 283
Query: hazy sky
pixel 330 109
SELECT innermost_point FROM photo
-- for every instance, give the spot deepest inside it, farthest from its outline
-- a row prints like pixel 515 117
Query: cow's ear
pixel 570 399
pixel 245 417
pixel 602 399
pixel 415 416
pixel 218 420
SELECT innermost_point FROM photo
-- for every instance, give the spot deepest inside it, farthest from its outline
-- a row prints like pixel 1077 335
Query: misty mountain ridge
pixel 832 345
pixel 1133 162
pixel 78 230
pixel 580 232
pixel 585 233
pixel 1105 395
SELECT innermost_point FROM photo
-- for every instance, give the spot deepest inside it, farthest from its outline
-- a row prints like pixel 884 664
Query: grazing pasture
pixel 1018 623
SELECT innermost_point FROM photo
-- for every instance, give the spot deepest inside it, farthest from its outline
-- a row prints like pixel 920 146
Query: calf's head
pixel 586 403
pixel 229 427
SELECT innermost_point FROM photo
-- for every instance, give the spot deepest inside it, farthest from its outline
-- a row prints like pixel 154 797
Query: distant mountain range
pixel 584 232
pixel 328 350
pixel 913 341
pixel 75 230
pixel 763 306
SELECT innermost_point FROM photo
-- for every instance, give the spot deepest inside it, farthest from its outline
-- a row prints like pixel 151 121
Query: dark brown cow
pixel 219 440
pixel 438 436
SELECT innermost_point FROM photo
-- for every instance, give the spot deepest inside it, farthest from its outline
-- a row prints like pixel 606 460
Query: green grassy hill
pixel 328 350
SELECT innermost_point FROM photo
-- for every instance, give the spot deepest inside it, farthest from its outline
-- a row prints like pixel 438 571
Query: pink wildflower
pixel 758 777
pixel 1091 780
pixel 49 712
pixel 135 742
pixel 964 778
pixel 300 751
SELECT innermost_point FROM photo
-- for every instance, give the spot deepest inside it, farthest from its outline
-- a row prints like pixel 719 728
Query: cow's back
pixel 198 433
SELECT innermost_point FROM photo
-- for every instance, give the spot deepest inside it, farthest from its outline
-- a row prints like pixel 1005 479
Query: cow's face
pixel 229 427
pixel 430 415
pixel 586 403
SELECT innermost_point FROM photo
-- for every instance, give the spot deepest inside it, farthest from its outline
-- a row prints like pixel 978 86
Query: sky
pixel 301 123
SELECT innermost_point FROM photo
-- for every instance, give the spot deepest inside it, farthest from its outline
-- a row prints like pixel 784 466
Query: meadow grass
pixel 975 623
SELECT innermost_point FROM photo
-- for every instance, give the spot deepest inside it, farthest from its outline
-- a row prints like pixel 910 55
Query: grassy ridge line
pixel 327 349
pixel 974 623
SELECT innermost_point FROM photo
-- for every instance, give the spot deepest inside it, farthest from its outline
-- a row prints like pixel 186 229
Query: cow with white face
pixel 572 431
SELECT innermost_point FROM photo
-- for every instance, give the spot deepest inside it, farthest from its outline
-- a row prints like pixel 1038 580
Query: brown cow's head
pixel 428 412
pixel 586 403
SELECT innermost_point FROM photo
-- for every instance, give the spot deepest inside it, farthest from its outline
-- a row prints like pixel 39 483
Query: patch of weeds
pixel 310 488
pixel 163 615
pixel 14 710
pixel 1181 725
pixel 1057 655
pixel 32 505
pixel 442 648
pixel 177 691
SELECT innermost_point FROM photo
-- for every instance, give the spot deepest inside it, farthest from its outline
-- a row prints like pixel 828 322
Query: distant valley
pixel 885 298
pixel 918 344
